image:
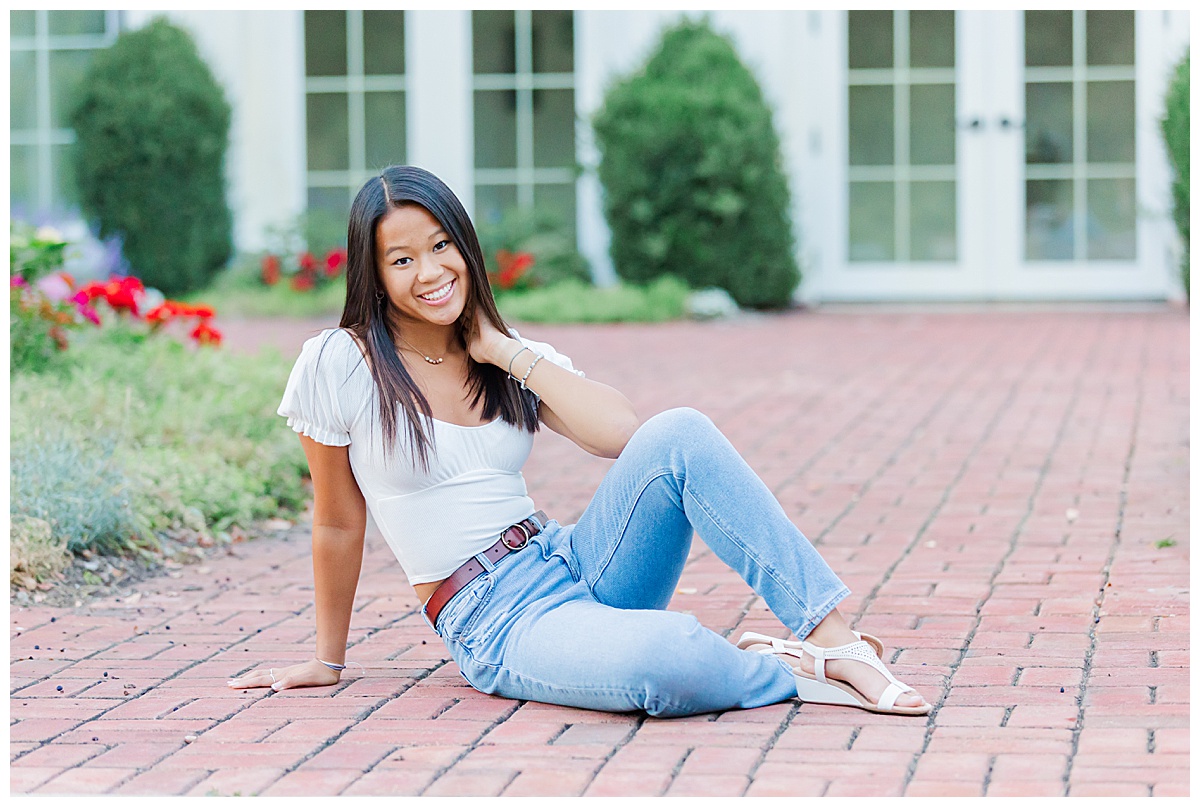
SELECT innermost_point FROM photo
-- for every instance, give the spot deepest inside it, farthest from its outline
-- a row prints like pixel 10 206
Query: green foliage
pixel 136 435
pixel 37 326
pixel 152 127
pixel 541 233
pixel 1177 128
pixel 576 301
pixel 238 291
pixel 692 173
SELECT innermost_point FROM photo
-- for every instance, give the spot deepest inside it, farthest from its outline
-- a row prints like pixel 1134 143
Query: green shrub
pixel 238 291
pixel 152 127
pixel 1177 127
pixel 576 301
pixel 544 235
pixel 692 176
pixel 152 435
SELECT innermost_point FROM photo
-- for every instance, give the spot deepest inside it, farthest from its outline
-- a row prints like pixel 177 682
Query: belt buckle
pixel 524 531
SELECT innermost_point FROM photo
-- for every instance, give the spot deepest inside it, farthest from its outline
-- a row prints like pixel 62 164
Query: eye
pixel 400 261
pixel 440 245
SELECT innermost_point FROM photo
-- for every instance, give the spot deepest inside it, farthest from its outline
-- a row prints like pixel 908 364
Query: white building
pixel 932 155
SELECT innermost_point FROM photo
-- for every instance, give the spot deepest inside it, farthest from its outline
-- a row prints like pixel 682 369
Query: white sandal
pixel 819 689
pixel 750 639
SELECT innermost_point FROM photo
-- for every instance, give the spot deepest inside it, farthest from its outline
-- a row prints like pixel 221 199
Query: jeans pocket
pixel 462 612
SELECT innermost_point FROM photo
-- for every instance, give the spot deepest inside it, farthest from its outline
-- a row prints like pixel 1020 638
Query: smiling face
pixel 421 269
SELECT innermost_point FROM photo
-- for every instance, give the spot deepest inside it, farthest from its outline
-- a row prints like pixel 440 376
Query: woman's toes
pixel 910 699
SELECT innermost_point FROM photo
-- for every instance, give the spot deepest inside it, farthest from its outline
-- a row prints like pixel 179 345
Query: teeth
pixel 438 294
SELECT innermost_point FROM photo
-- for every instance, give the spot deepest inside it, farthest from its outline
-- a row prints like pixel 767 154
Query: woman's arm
pixel 339 527
pixel 594 416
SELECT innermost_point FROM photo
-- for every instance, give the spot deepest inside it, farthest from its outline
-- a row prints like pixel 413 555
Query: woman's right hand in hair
pixel 311 673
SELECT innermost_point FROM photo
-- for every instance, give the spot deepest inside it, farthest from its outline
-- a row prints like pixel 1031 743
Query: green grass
pixel 127 435
pixel 1164 543
pixel 575 301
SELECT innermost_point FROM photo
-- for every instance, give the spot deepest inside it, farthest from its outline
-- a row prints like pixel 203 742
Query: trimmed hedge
pixel 152 127
pixel 1176 127
pixel 692 173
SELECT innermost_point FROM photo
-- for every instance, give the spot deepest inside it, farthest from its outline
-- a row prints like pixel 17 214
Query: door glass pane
pixel 491 202
pixel 21 23
pixel 332 203
pixel 493 35
pixel 1049 231
pixel 73 23
pixel 328 127
pixel 872 221
pixel 934 215
pixel 932 137
pixel 931 38
pixel 383 43
pixel 22 178
pixel 325 43
pixel 495 129
pixel 559 200
pixel 1110 116
pixel 872 132
pixel 1110 37
pixel 553 128
pixel 64 188
pixel 22 84
pixel 1111 219
pixel 870 39
pixel 67 68
pixel 385 134
pixel 553 41
pixel 1048 38
pixel 1048 123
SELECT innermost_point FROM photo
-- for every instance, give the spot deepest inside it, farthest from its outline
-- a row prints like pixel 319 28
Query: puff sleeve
pixel 548 353
pixel 320 398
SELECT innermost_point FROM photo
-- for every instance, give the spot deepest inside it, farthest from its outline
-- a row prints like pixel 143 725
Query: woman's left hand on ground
pixel 311 673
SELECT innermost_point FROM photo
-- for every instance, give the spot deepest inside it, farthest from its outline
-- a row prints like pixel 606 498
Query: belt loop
pixel 485 561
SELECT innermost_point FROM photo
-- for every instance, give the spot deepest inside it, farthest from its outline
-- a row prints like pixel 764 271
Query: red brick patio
pixel 997 488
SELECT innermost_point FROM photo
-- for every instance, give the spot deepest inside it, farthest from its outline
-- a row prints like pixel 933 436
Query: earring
pixel 379 296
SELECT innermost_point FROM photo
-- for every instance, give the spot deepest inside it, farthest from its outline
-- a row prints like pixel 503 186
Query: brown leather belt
pixel 511 540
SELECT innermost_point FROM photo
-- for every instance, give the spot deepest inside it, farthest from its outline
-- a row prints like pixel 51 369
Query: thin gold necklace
pixel 429 359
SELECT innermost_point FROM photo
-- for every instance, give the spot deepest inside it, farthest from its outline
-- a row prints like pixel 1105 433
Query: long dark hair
pixel 367 306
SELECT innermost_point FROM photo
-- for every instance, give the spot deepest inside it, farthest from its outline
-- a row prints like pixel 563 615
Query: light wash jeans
pixel 576 617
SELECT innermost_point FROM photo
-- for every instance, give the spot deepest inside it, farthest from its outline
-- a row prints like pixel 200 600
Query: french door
pixel 993 155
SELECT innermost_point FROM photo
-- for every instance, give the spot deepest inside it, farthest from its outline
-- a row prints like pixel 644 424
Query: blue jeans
pixel 577 617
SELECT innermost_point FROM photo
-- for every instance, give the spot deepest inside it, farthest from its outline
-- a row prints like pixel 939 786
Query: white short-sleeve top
pixel 434 520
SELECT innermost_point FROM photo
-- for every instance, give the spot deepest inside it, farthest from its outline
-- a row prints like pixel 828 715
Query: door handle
pixel 1008 123
pixel 975 124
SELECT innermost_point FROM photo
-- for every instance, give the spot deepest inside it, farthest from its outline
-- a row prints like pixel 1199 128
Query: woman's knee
pixel 678 425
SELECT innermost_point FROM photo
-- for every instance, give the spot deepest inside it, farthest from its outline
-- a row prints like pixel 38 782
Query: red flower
pixel 205 334
pixel 302 281
pixel 308 264
pixel 512 267
pixel 270 270
pixel 334 261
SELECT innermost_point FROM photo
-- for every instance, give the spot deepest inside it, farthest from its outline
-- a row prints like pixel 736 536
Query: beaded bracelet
pixel 530 370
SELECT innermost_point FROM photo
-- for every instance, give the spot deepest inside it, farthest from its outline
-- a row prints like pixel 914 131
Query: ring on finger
pixel 272 671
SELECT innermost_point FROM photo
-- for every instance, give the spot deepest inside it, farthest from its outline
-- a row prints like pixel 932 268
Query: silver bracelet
pixel 332 666
pixel 530 370
pixel 514 358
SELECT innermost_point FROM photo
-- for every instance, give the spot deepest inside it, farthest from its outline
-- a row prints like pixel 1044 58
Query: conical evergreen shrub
pixel 692 173
pixel 1177 132
pixel 151 127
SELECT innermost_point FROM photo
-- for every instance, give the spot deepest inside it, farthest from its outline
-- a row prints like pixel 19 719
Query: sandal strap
pixel 887 701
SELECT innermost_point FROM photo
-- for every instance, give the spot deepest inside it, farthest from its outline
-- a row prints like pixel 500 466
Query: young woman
pixel 421 408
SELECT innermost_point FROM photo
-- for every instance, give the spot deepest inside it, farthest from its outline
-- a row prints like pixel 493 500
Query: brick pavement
pixel 993 486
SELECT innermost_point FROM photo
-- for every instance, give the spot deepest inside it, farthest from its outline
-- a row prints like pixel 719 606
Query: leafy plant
pixel 692 176
pixel 576 301
pixel 152 127
pixel 540 234
pixel 1176 128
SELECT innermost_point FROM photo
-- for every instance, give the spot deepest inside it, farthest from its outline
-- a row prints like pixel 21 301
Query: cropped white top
pixel 433 520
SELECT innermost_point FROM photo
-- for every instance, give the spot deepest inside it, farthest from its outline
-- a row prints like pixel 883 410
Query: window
pixel 1080 136
pixel 49 53
pixel 902 139
pixel 354 102
pixel 524 84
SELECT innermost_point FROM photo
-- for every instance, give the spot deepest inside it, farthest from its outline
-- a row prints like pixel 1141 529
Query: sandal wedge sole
pixel 835 693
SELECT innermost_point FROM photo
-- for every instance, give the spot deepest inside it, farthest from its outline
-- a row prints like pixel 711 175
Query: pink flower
pixel 89 313
pixel 17 282
pixel 55 287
